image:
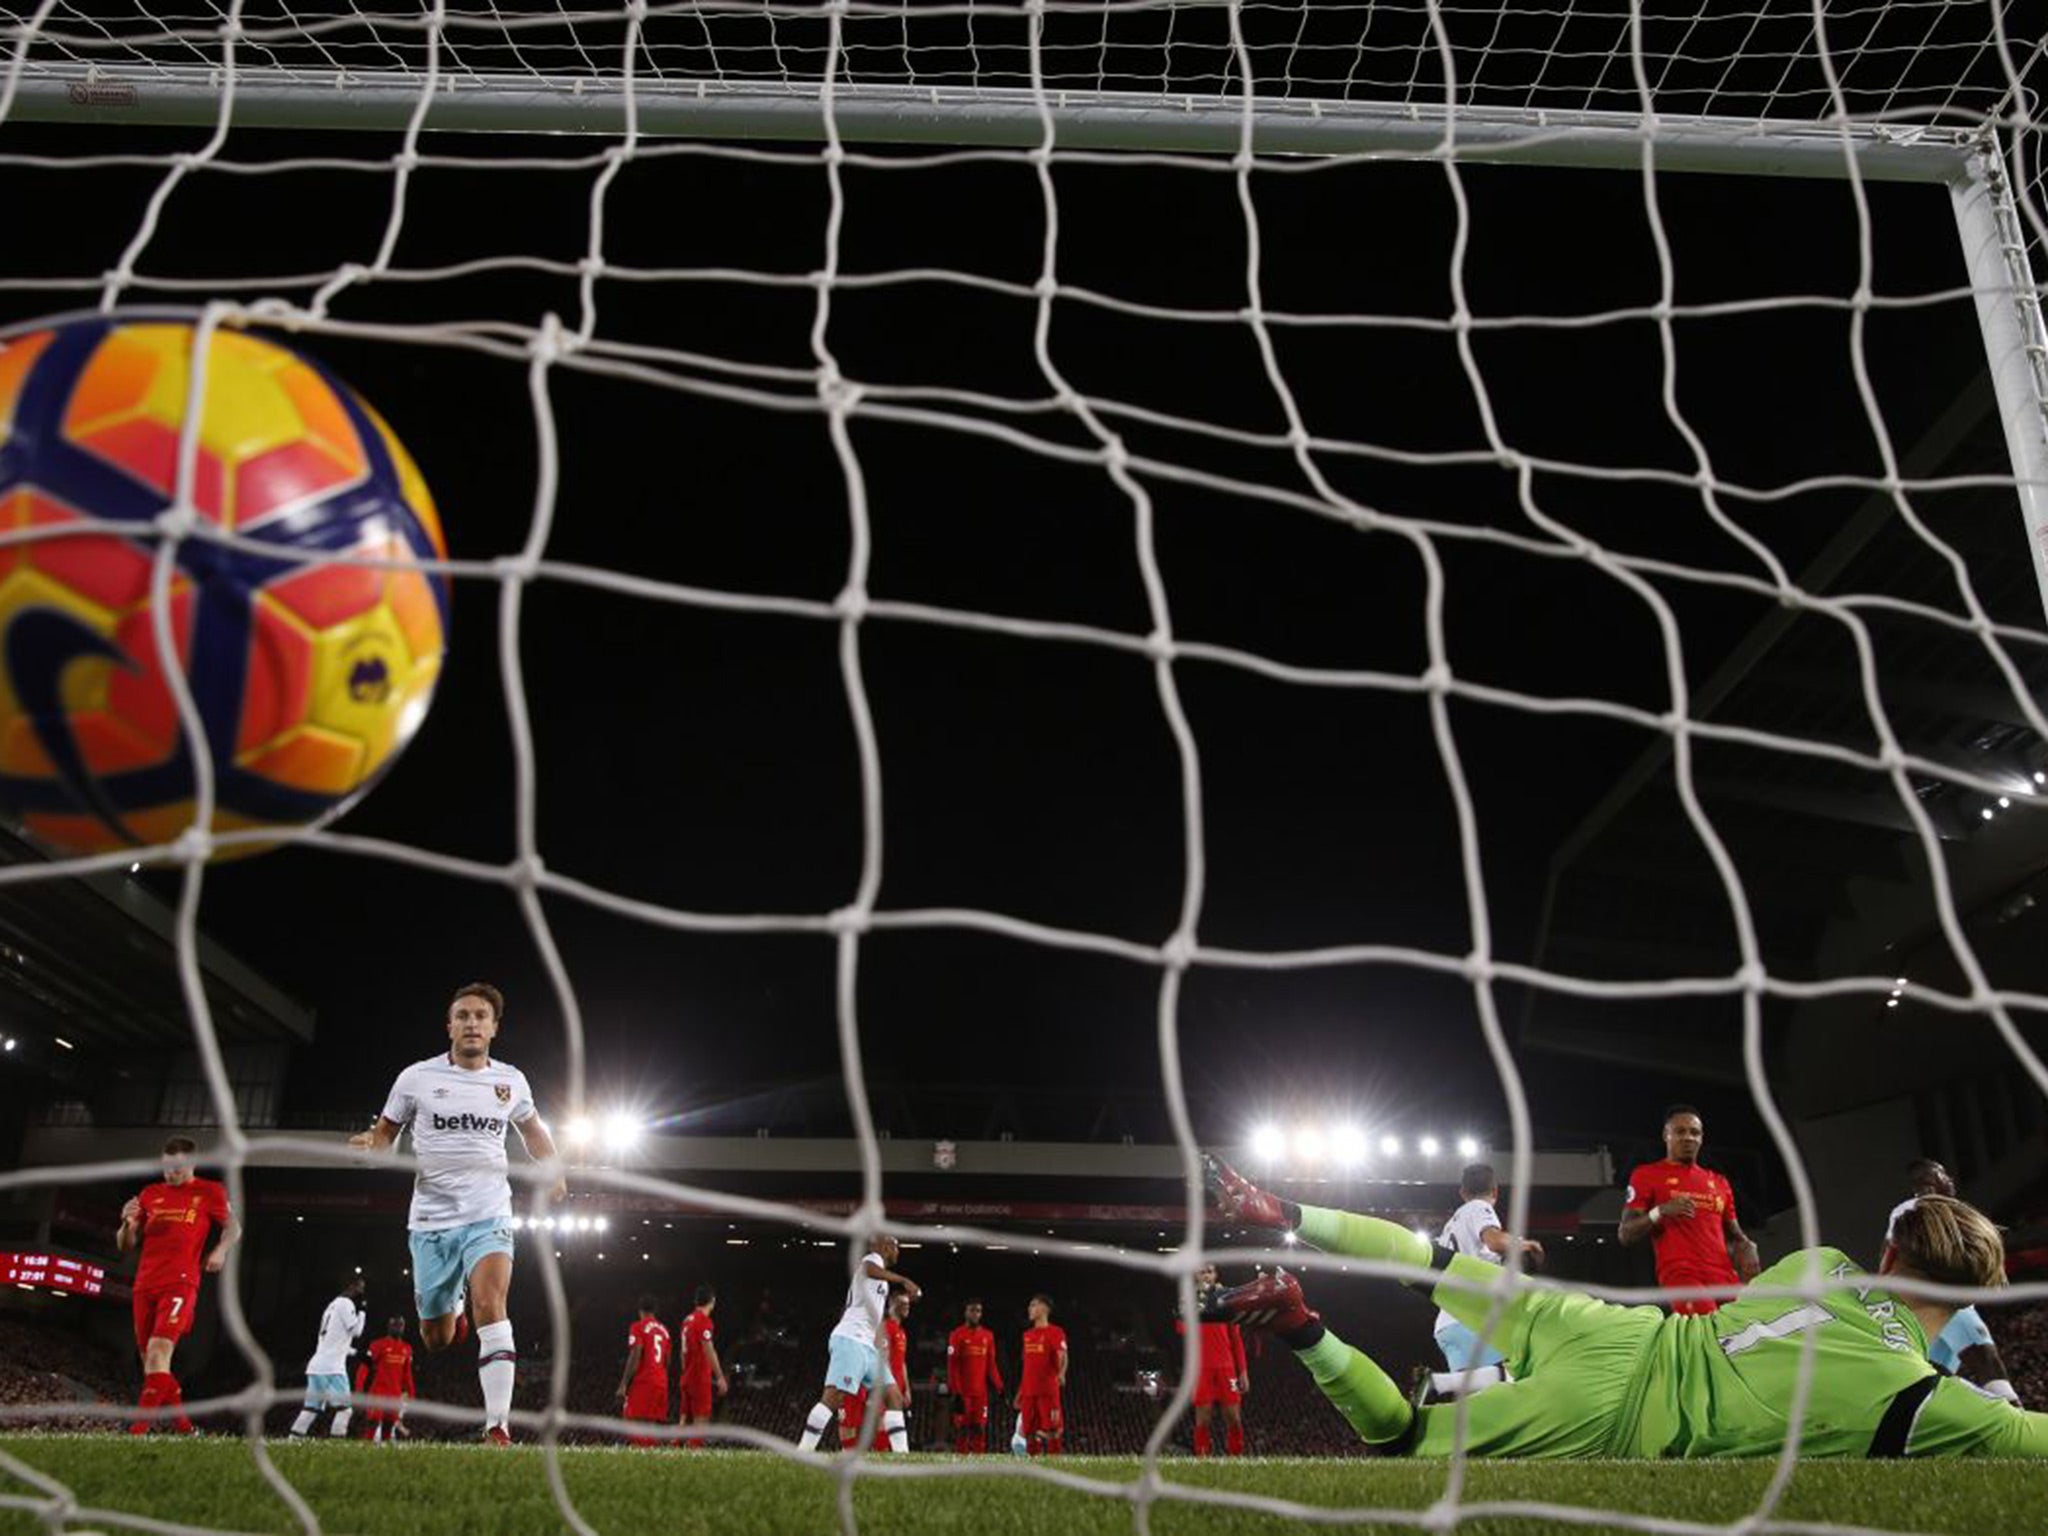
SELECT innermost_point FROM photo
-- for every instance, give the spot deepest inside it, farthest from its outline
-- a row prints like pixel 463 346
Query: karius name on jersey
pixel 1885 1314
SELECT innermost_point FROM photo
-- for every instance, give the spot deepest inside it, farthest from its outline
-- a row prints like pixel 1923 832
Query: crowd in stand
pixel 41 1365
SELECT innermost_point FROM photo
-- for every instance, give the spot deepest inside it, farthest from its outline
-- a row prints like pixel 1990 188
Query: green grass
pixel 443 1490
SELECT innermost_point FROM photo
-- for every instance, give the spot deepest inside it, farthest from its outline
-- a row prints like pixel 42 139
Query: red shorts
pixel 697 1399
pixel 380 1415
pixel 1217 1387
pixel 1698 1306
pixel 1039 1410
pixel 164 1312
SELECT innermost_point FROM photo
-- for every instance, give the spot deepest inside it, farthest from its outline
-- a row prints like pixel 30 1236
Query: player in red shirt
pixel 1688 1214
pixel 643 1385
pixel 169 1221
pixel 897 1342
pixel 1039 1382
pixel 1221 1378
pixel 970 1367
pixel 702 1374
pixel 389 1370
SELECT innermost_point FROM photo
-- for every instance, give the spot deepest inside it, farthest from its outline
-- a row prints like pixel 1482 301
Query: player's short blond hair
pixel 1949 1241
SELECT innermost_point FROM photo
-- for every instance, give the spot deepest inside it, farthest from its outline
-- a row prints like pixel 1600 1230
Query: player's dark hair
pixel 706 1295
pixel 972 1301
pixel 647 1303
pixel 178 1144
pixel 1920 1167
pixel 1673 1111
pixel 1041 1296
pixel 487 992
pixel 1476 1179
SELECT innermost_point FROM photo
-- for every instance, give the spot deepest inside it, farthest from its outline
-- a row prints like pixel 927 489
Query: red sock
pixel 1233 1439
pixel 1054 1445
pixel 1201 1439
pixel 174 1395
pixel 152 1394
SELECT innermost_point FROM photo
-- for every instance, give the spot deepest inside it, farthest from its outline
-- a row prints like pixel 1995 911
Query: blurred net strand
pixel 840 401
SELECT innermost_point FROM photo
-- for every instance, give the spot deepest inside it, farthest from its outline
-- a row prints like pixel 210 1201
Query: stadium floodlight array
pixel 1845 93
pixel 1314 1146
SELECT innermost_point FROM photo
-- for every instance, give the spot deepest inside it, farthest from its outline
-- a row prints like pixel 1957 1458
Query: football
pixel 309 676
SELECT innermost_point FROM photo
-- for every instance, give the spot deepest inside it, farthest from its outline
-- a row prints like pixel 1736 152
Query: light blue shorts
pixel 441 1261
pixel 326 1392
pixel 854 1365
pixel 1462 1349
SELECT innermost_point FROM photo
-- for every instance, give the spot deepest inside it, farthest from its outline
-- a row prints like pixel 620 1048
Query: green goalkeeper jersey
pixel 1721 1385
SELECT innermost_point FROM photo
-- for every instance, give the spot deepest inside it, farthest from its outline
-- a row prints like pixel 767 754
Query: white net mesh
pixel 1570 413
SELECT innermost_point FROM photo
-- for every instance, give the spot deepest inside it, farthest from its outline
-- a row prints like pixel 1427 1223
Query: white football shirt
pixel 340 1326
pixel 866 1300
pixel 1462 1233
pixel 459 1119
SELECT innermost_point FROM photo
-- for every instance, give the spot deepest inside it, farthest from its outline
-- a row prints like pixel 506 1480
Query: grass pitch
pixel 446 1490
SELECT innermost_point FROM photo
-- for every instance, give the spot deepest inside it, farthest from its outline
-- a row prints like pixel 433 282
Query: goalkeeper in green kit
pixel 1595 1379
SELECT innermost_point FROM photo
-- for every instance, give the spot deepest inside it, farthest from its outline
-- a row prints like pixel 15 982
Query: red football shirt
pixel 971 1362
pixel 175 1222
pixel 1691 1250
pixel 1042 1346
pixel 1222 1349
pixel 697 1332
pixel 391 1360
pixel 652 1337
pixel 899 1351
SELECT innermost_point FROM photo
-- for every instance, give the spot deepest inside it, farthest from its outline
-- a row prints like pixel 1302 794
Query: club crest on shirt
pixel 440 1093
pixel 503 1091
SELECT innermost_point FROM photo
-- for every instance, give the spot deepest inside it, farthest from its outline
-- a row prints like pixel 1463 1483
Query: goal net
pixel 1544 507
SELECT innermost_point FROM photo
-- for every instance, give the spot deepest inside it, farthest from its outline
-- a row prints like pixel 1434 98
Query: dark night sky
pixel 706 760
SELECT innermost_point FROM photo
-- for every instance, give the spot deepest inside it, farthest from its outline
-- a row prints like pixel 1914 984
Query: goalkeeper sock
pixel 815 1426
pixel 497 1367
pixel 1359 1389
pixel 1363 1237
pixel 899 1436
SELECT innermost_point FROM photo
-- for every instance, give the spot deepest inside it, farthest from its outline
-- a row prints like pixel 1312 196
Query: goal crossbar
pixel 992 117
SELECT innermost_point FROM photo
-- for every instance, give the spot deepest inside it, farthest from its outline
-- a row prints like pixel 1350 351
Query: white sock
pixel 821 1419
pixel 892 1426
pixel 1456 1383
pixel 305 1420
pixel 497 1365
pixel 340 1427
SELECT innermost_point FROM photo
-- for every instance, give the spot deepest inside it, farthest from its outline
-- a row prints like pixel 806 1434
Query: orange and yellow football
pixel 309 675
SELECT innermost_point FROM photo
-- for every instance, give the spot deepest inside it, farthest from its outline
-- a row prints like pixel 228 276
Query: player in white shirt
pixel 1965 1347
pixel 1474 1229
pixel 327 1372
pixel 459 1106
pixel 856 1362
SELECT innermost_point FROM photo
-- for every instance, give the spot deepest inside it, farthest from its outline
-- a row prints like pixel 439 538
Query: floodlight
pixel 579 1131
pixel 1308 1144
pixel 621 1131
pixel 1347 1145
pixel 1391 1145
pixel 1468 1146
pixel 1429 1146
pixel 1268 1143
